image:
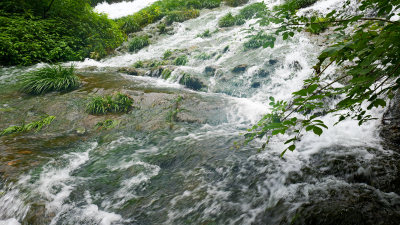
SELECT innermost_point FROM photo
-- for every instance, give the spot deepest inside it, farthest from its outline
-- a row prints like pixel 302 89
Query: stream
pixel 152 171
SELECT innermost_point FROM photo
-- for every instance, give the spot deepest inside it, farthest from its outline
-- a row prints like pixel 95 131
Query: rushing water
pixel 194 175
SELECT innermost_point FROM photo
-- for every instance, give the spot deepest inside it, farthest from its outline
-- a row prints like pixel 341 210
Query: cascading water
pixel 194 175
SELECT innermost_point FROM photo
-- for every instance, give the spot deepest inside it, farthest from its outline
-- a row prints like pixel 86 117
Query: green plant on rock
pixel 254 10
pixel 138 43
pixel 321 24
pixel 36 125
pixel 259 40
pixel 181 16
pixel 181 60
pixel 48 79
pixel 371 52
pixel 167 54
pixel 207 33
pixel 138 64
pixel 107 124
pixel 191 82
pixel 229 20
pixel 166 73
pixel 118 103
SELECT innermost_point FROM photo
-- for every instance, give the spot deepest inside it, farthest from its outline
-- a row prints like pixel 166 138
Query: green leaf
pixel 318 131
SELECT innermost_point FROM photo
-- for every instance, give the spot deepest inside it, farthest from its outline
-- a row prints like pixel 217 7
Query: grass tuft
pixel 36 125
pixel 48 79
pixel 235 3
pixel 181 60
pixel 118 103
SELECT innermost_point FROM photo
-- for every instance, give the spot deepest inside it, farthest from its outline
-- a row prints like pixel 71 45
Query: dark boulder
pixel 240 68
pixel 256 85
pixel 210 70
pixel 390 131
pixel 191 82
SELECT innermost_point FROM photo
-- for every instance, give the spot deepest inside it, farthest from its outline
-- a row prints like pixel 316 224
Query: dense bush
pixel 174 9
pixel 69 30
pixel 117 103
pixel 47 79
pixel 138 43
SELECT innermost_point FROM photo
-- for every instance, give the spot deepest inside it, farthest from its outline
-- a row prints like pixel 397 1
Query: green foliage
pixel 48 79
pixel 320 25
pixel 167 54
pixel 70 30
pixel 118 103
pixel 138 64
pixel 166 73
pixel 235 3
pixel 181 60
pixel 172 115
pixel 206 34
pixel 254 10
pixel 181 15
pixel 36 125
pixel 174 10
pixel 138 43
pixel 260 40
pixel 229 20
pixel 107 124
pixel 203 56
pixel 371 77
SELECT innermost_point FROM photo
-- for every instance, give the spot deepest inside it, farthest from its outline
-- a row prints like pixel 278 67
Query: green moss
pixel 118 103
pixel 48 79
pixel 181 60
pixel 138 43
pixel 203 56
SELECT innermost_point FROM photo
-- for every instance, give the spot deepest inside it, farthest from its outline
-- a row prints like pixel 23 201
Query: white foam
pixel 121 9
pixel 11 221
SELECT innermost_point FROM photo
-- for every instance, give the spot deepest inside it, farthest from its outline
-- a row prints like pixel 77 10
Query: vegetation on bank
pixel 48 79
pixel 54 31
pixel 117 103
pixel 256 10
pixel 35 125
pixel 366 43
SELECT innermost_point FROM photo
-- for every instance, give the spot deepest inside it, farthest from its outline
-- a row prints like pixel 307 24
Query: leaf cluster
pixel 36 125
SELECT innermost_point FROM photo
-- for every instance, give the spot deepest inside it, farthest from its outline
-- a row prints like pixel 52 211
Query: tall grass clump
pixel 181 60
pixel 138 43
pixel 48 79
pixel 118 103
pixel 36 125
pixel 181 15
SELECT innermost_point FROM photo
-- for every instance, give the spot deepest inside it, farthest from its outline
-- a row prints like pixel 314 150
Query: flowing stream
pixel 193 173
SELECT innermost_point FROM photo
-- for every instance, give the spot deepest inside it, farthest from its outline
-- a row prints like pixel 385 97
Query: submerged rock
pixel 210 70
pixel 191 82
pixel 240 68
pixel 256 85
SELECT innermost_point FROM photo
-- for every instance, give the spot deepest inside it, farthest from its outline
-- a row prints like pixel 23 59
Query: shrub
pixel 181 16
pixel 235 3
pixel 117 103
pixel 181 60
pixel 138 43
pixel 36 125
pixel 259 40
pixel 256 9
pixel 48 79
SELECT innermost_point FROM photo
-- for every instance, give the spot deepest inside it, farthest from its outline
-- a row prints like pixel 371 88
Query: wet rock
pixel 210 70
pixel 273 61
pixel 390 130
pixel 262 73
pixel 295 65
pixel 256 85
pixel 157 72
pixel 129 70
pixel 191 82
pixel 349 205
pixel 240 68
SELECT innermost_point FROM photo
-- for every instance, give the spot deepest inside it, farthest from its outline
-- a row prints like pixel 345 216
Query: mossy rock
pixel 191 82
